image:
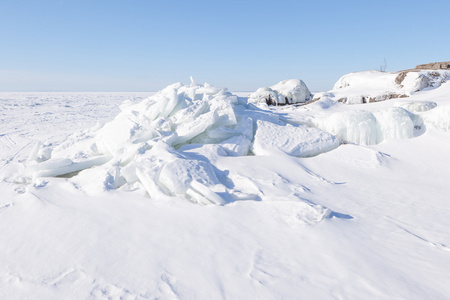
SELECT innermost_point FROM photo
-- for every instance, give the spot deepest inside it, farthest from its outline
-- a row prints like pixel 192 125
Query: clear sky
pixel 144 45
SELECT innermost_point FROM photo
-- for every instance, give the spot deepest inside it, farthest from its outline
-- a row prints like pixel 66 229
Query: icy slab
pixel 367 128
pixel 177 175
pixel 301 141
pixel 285 92
pixel 58 167
pixel 359 127
pixel 394 123
pixel 166 172
pixel 236 145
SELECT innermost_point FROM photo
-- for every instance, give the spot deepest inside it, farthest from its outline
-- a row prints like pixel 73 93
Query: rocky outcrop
pixel 425 78
pixel 400 77
pixel 431 66
pixel 435 66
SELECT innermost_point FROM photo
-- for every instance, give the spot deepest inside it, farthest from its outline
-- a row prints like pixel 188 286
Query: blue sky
pixel 137 45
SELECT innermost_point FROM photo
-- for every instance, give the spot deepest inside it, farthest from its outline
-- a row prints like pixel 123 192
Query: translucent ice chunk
pixel 300 141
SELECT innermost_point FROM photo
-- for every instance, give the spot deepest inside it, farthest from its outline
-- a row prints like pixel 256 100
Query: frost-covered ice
pixel 195 193
pixel 285 92
pixel 369 128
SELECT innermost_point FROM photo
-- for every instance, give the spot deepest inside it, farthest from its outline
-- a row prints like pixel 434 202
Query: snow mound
pixel 285 92
pixel 365 87
pixel 299 141
pixel 367 128
pixel 376 80
pixel 167 145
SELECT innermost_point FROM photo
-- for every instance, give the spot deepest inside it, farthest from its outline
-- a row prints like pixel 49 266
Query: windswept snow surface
pixel 193 193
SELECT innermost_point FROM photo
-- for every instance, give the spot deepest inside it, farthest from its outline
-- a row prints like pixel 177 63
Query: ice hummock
pixel 150 144
pixel 285 92
pixel 369 128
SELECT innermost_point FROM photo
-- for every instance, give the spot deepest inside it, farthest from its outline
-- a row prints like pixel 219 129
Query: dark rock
pixel 400 77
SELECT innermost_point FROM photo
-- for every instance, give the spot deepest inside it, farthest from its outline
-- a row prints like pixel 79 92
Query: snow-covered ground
pixel 319 201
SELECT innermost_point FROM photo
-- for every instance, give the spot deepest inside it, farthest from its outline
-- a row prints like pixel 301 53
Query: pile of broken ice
pixel 150 143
